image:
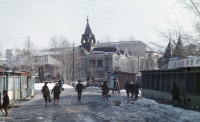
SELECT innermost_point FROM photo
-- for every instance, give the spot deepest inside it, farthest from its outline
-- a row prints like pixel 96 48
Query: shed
pixel 122 77
pixel 158 84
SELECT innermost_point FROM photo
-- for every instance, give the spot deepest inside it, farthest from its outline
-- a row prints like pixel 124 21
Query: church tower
pixel 88 39
pixel 179 51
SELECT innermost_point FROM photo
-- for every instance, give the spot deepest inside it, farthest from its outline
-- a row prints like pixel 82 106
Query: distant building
pixel 170 54
pixel 175 68
pixel 101 59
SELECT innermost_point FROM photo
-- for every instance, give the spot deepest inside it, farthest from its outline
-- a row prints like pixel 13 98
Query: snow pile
pixel 93 87
pixel 38 86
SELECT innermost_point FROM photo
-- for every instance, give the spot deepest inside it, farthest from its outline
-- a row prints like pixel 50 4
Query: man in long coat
pixel 127 87
pixel 176 94
pixel 45 92
pixel 79 88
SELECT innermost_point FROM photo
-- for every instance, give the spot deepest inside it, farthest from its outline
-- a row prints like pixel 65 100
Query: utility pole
pixel 28 48
pixel 73 64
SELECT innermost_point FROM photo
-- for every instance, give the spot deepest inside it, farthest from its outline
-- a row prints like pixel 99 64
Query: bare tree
pixel 191 40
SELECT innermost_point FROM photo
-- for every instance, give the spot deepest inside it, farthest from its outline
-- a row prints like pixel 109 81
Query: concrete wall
pixel 195 99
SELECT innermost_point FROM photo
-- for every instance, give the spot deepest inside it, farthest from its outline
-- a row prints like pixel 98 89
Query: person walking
pixel 45 92
pixel 93 80
pixel 176 94
pixel 105 90
pixel 60 84
pixel 5 103
pixel 117 86
pixel 56 93
pixel 79 88
pixel 131 88
pixel 136 89
pixel 114 86
pixel 127 87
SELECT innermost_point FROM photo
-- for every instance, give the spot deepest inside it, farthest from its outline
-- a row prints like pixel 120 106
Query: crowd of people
pixel 132 88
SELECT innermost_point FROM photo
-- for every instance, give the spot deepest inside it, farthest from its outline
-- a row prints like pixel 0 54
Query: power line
pixel 123 8
pixel 115 8
pixel 72 14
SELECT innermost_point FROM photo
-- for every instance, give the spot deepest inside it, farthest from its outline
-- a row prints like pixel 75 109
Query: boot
pixel 54 101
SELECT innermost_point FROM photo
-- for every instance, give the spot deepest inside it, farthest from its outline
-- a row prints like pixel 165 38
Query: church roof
pixel 179 50
pixel 169 51
pixel 88 29
pixel 106 49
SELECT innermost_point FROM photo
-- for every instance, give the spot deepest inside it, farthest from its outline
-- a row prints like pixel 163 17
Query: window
pixel 82 63
pixel 16 83
pixel 100 63
pixel 10 83
pixel 82 74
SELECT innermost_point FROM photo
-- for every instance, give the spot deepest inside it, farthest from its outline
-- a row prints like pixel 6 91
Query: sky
pixel 119 19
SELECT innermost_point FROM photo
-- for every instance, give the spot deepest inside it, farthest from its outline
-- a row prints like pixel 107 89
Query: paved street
pixel 93 109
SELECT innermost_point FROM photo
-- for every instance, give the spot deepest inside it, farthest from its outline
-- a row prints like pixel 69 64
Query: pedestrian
pixel 105 90
pixel 88 81
pixel 79 88
pixel 136 89
pixel 131 88
pixel 176 94
pixel 5 103
pixel 45 92
pixel 117 86
pixel 127 87
pixel 60 84
pixel 114 85
pixel 93 80
pixel 56 93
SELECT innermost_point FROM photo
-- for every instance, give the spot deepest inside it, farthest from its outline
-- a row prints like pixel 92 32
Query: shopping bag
pixel 49 99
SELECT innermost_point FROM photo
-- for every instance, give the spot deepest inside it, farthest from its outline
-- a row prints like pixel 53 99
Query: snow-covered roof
pixel 49 53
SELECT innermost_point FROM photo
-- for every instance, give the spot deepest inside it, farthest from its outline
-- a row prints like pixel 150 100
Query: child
pixel 105 90
pixel 56 90
pixel 5 103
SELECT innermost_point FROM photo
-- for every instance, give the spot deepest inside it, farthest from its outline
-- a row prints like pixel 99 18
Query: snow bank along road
pixel 93 109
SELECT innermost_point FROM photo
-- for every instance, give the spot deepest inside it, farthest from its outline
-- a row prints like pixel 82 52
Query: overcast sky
pixel 42 19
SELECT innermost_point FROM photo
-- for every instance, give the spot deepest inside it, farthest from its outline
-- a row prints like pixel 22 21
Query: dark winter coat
pixel 175 92
pixel 131 88
pixel 136 88
pixel 88 78
pixel 56 91
pixel 60 83
pixel 5 101
pixel 79 87
pixel 104 89
pixel 114 84
pixel 127 86
pixel 45 91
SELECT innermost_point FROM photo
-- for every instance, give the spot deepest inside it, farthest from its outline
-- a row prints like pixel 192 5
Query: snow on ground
pixel 38 86
pixel 93 109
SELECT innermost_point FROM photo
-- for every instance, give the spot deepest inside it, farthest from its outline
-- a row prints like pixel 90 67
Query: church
pixel 99 61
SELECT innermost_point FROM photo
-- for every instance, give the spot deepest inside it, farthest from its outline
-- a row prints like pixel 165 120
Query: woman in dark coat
pixel 45 92
pixel 131 87
pixel 176 94
pixel 136 89
pixel 105 90
pixel 56 90
pixel 5 103
pixel 127 87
